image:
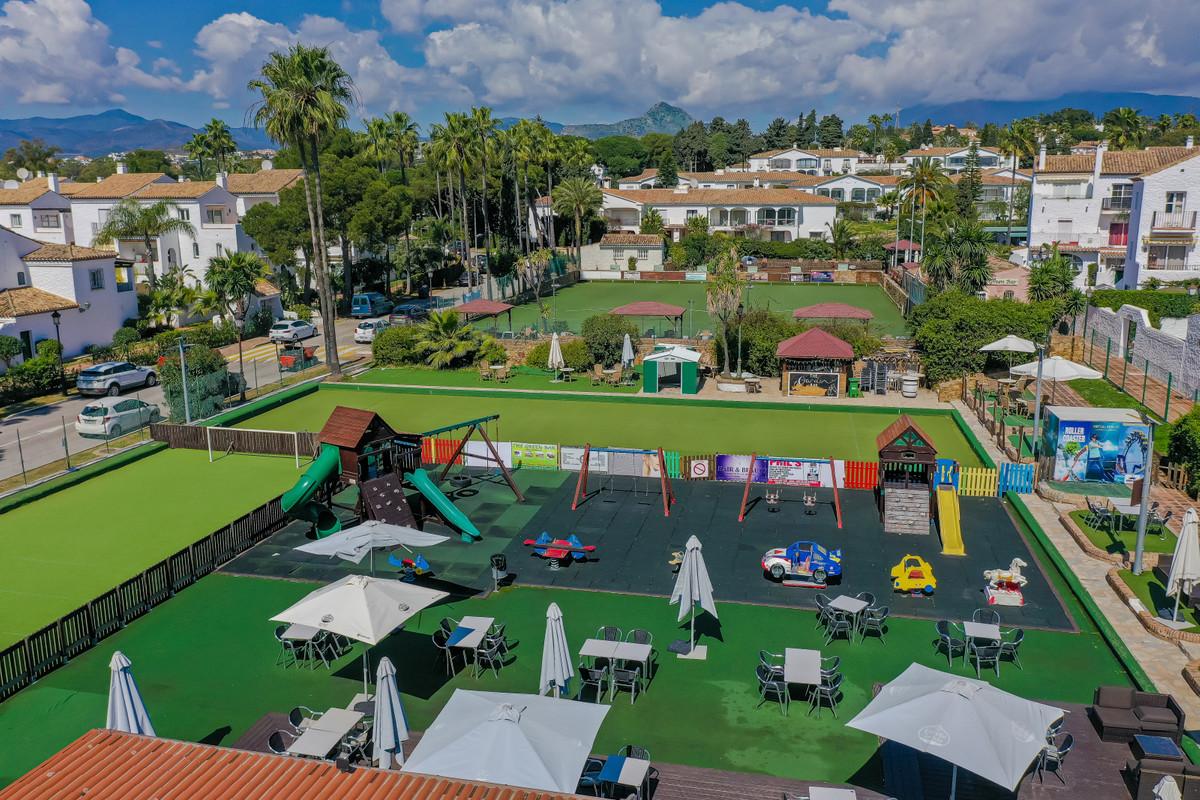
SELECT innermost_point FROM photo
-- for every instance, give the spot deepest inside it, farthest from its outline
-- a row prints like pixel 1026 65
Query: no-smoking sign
pixel 698 470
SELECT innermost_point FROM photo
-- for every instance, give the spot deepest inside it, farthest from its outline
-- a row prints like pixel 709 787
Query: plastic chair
pixel 948 641
pixel 769 686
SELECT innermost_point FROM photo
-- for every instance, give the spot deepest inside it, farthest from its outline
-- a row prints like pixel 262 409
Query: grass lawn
pixel 68 548
pixel 522 378
pixel 205 663
pixel 1154 596
pixel 576 303
pixel 1099 393
pixel 1124 540
pixel 686 426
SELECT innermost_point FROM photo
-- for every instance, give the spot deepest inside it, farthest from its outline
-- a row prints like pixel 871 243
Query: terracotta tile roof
pixel 72 188
pixel 721 197
pixel 765 176
pixel 644 175
pixel 819 152
pixel 815 343
pixel 942 151
pixel 267 181
pixel 24 194
pixel 106 765
pixel 1068 164
pixel 22 301
pixel 648 308
pixel 117 186
pixel 832 311
pixel 634 239
pixel 483 307
pixel 67 252
pixel 1121 162
pixel 264 288
pixel 176 190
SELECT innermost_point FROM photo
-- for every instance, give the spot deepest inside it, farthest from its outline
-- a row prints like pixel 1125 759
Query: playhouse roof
pixel 648 308
pixel 897 429
pixel 485 307
pixel 832 311
pixel 814 343
pixel 347 426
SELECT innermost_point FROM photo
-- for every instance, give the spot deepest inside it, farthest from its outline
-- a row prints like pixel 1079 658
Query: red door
pixel 1118 233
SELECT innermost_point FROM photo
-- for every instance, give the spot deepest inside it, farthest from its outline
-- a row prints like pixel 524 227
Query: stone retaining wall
pixel 1148 620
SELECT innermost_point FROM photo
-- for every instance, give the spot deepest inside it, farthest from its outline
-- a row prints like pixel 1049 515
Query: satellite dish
pixel 10 184
pixel 267 164
pixel 23 174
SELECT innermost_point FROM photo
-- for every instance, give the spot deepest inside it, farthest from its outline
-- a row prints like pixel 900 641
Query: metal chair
pixel 448 625
pixel 1160 522
pixel 875 621
pixel 589 779
pixel 1055 729
pixel 866 597
pixel 592 677
pixel 985 655
pixel 827 691
pixel 824 612
pixel 277 744
pixel 489 657
pixel 771 661
pixel 830 666
pixel 634 751
pixel 300 716
pixel 639 636
pixel 1010 646
pixel 609 633
pixel 769 686
pixel 628 679
pixel 839 625
pixel 986 616
pixel 948 641
pixel 1053 758
pixel 287 648
pixel 440 637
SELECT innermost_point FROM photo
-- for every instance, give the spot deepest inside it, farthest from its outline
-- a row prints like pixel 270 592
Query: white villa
pixel 36 208
pixel 954 159
pixel 264 186
pixel 814 161
pixel 1125 211
pixel 723 179
pixel 612 253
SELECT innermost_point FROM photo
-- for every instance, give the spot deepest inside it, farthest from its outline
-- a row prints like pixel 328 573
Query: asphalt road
pixel 45 431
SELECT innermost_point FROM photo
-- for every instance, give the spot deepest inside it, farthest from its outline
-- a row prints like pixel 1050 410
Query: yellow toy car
pixel 913 575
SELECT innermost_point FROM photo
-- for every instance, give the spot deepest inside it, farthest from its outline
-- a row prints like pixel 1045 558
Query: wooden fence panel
pixel 977 482
pixel 699 467
pixel 1017 478
pixel 861 474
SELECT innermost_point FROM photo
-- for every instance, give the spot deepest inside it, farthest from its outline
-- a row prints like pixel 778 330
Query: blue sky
pixel 594 60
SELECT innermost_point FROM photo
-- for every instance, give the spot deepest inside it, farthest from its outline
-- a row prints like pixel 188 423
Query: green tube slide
pixel 420 479
pixel 298 500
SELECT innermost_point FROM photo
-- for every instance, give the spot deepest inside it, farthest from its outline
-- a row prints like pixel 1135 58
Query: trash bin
pixel 852 389
pixel 499 568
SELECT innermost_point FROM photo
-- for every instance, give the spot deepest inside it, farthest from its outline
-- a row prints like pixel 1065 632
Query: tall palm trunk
pixel 578 238
pixel 325 285
pixel 1012 196
pixel 521 240
pixel 314 262
pixel 437 196
pixel 487 225
pixel 462 197
pixel 924 208
pixel 550 193
pixel 151 278
pixel 896 248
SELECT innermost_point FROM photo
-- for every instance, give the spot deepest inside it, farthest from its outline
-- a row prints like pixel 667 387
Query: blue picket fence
pixel 1017 478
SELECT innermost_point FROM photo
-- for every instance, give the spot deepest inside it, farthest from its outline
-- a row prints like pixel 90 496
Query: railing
pixel 1117 203
pixel 1174 220
pixel 44 651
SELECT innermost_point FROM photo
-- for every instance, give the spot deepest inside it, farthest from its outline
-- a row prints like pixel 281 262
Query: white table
pixel 478 627
pixel 617 651
pixel 827 793
pixel 982 630
pixel 300 633
pixel 633 773
pixel 802 666
pixel 325 733
pixel 851 605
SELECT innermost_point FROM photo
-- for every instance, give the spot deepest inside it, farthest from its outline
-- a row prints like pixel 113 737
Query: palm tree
pixel 130 219
pixel 379 142
pixel 221 144
pixel 1050 278
pixel 172 295
pixel 1075 303
pixel 458 148
pixel 197 148
pixel 446 339
pixel 232 279
pixel 876 121
pixel 891 151
pixel 841 237
pixel 580 198
pixel 923 183
pixel 527 137
pixel 548 146
pixel 304 94
pixel 723 295
pixel 405 135
pixel 485 126
pixel 1018 140
pixel 1124 127
pixel 959 255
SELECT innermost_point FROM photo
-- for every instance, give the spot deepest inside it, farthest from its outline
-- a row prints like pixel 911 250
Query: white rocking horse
pixel 1011 576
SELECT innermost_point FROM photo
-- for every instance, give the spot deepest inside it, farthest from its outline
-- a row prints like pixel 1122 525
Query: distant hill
pixel 1002 112
pixel 659 118
pixel 508 122
pixel 113 130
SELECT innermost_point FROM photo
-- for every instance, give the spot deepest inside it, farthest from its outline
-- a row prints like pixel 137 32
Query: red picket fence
pixel 861 474
pixel 438 451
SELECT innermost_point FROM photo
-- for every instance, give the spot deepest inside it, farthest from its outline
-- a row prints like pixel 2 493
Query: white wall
pixel 1150 195
pixel 615 258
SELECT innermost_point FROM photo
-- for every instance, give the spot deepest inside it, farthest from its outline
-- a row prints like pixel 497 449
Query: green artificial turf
pixel 688 427
pixel 1124 540
pixel 68 548
pixel 574 304
pixel 1152 594
pixel 522 378
pixel 1099 393
pixel 205 664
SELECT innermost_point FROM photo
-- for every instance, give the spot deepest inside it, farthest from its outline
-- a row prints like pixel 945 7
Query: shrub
pixel 10 348
pixel 801 248
pixel 762 331
pixel 302 311
pixel 209 382
pixel 575 354
pixel 605 337
pixel 49 349
pixel 34 377
pixel 396 346
pixel 491 350
pixel 100 352
pixel 1159 304
pixel 1184 447
pixel 125 338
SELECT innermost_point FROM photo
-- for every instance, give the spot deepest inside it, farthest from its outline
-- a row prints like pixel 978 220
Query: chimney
pixel 1190 142
pixel 52 182
pixel 1097 167
pixel 121 168
pixel 1041 155
pixel 756 183
pixel 222 180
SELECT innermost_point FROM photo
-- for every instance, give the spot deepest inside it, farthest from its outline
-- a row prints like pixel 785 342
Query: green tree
pixel 197 149
pixel 1051 278
pixel 970 185
pixel 130 219
pixel 34 155
pixel 657 145
pixel 876 122
pixel 578 198
pixel 668 176
pixel 1125 127
pixel 447 340
pixel 830 131
pixel 384 213
pixel 959 256
pixel 778 134
pixel 221 146
pixel 841 237
pixel 621 155
pixel 652 222
pixel 1074 303
pixel 924 183
pixel 142 160
pixel 485 127
pixel 10 348
pixel 303 98
pixel 605 337
pixel 232 279
pixel 691 147
pixel 723 296
pixel 1018 141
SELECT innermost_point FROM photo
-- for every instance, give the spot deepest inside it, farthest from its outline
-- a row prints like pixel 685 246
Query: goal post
pixel 222 440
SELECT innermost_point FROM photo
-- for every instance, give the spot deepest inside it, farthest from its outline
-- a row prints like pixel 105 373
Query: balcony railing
pixel 1176 265
pixel 1117 203
pixel 1174 220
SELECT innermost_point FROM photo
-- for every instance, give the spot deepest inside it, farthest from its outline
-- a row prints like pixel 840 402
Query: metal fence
pixel 1151 385
pixel 52 646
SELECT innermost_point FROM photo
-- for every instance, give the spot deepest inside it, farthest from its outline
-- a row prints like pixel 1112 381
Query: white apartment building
pixel 814 161
pixel 723 179
pixel 91 290
pixel 264 186
pixel 1125 211
pixel 857 188
pixel 781 215
pixel 954 159
pixel 35 208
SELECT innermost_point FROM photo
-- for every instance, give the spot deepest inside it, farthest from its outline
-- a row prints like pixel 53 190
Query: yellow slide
pixel 949 522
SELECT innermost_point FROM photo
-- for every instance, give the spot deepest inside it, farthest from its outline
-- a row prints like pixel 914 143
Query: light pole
pixel 187 408
pixel 741 310
pixel 56 318
pixel 1037 407
pixel 1144 511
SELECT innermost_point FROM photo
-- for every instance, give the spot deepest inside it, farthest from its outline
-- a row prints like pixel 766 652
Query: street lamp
pixel 741 310
pixel 56 318
pixel 1144 511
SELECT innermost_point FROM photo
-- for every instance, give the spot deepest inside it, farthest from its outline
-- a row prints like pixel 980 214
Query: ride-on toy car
pixel 913 575
pixel 802 562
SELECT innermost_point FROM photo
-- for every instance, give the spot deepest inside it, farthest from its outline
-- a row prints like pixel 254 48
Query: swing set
pixel 473 427
pixel 581 485
pixel 774 499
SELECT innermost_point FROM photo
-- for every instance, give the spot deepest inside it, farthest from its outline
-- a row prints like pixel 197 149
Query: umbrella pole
pixel 1178 594
pixel 693 638
pixel 366 669
pixel 953 781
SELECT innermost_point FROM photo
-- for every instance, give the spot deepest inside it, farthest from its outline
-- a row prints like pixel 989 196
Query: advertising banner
pixel 571 458
pixel 535 456
pixel 476 454
pixel 1104 452
pixel 820 276
pixel 775 471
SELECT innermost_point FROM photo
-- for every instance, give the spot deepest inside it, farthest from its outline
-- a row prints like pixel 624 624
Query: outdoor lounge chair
pixel 826 692
pixel 771 687
pixel 597 678
pixel 1010 646
pixel 948 641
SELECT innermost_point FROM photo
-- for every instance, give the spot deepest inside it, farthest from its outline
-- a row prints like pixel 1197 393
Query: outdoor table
pixel 497 367
pixel 1125 510
pixel 303 633
pixel 325 733
pixel 982 630
pixel 753 385
pixel 849 605
pixel 625 771
pixel 827 793
pixel 469 633
pixel 566 373
pixel 616 651
pixel 1145 746
pixel 802 666
pixel 363 704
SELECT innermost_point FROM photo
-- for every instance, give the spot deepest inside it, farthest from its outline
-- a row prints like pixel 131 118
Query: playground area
pixel 572 305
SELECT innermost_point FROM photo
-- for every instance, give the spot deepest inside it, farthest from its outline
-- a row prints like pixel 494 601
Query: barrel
pixel 908 384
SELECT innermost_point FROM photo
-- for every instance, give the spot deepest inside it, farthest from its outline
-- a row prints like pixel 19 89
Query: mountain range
pixel 659 118
pixel 1001 112
pixel 113 130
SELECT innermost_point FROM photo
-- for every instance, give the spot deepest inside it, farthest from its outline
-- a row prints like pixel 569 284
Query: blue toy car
pixel 806 562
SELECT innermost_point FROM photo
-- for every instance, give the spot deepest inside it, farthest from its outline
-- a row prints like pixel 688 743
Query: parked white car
pixel 114 416
pixel 113 377
pixel 291 330
pixel 366 331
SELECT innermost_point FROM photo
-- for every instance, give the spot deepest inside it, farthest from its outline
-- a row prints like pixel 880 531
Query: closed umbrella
pixel 390 728
pixel 557 665
pixel 1167 789
pixel 967 722
pixel 692 586
pixel 1185 564
pixel 555 362
pixel 627 352
pixel 126 711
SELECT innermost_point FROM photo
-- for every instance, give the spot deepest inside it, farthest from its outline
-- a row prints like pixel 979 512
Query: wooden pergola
pixel 651 308
pixel 814 363
pixel 485 308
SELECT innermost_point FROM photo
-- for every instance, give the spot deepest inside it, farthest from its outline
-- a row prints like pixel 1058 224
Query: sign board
pixel 535 456
pixel 698 470
pixel 797 277
pixel 821 276
pixel 813 384
pixel 695 276
pixel 476 454
pixel 571 458
pixel 1099 451
pixel 775 471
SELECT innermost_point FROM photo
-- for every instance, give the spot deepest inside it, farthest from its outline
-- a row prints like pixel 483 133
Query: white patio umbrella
pixel 964 721
pixel 693 586
pixel 390 728
pixel 126 711
pixel 361 607
pixel 557 666
pixel 1185 564
pixel 512 739
pixel 1009 344
pixel 355 543
pixel 1167 789
pixel 555 361
pixel 627 354
pixel 1053 369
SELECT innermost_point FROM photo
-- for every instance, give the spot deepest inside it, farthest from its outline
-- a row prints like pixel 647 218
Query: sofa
pixel 1120 713
pixel 1146 774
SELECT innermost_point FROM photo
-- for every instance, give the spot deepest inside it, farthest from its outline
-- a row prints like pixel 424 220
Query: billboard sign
pixel 1103 452
pixel 535 456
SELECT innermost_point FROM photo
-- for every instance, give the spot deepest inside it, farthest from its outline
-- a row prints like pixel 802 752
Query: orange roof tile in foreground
pixel 106 765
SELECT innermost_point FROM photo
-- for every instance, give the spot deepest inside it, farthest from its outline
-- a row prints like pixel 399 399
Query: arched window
pixel 766 216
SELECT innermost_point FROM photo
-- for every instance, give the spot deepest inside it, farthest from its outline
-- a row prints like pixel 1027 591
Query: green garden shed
pixel 671 366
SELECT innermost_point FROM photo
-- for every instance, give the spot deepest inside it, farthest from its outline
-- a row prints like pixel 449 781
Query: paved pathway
pixel 1163 661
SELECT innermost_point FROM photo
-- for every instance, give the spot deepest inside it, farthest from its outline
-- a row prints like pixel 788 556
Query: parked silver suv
pixel 113 377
